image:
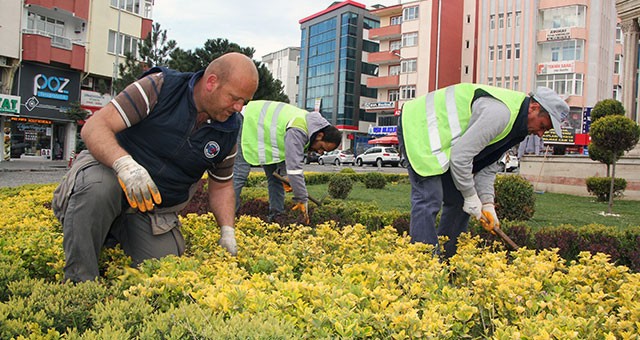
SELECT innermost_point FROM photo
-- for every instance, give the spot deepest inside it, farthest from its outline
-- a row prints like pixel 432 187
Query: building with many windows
pixel 57 56
pixel 629 14
pixel 334 67
pixel 284 66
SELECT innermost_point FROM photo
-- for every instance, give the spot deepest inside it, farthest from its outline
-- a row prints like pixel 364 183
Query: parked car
pixel 379 156
pixel 311 157
pixel 337 157
pixel 509 162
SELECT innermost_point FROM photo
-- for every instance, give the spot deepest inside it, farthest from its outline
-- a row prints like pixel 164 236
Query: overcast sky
pixel 265 25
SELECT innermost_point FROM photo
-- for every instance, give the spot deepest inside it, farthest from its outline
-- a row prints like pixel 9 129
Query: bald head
pixel 233 66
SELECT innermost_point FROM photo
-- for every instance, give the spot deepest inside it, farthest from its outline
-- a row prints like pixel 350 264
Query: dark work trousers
pixel 98 210
pixel 430 195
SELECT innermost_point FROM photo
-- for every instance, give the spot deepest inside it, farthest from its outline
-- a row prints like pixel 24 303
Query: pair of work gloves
pixel 484 212
pixel 143 194
pixel 303 207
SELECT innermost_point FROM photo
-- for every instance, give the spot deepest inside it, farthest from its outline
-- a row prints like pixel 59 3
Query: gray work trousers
pixel 97 210
pixel 241 171
pixel 430 195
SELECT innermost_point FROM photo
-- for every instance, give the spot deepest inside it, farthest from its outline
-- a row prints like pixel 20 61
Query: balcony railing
pixel 56 40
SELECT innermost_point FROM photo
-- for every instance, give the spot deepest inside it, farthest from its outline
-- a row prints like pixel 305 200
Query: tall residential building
pixel 284 66
pixel 424 45
pixel 629 14
pixel 569 46
pixel 334 67
pixel 56 56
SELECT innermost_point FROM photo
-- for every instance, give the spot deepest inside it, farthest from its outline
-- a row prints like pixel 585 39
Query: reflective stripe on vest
pixel 433 123
pixel 264 127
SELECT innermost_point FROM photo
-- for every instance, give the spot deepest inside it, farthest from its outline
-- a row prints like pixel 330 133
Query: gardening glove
pixel 287 187
pixel 489 218
pixel 303 206
pixel 228 239
pixel 473 206
pixel 136 183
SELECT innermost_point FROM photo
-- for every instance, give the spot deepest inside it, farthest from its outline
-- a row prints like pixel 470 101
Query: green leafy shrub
pixel 514 198
pixel 340 186
pixel 374 180
pixel 347 171
pixel 600 187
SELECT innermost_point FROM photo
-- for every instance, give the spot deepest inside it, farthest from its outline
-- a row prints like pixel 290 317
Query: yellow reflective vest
pixel 431 124
pixel 264 128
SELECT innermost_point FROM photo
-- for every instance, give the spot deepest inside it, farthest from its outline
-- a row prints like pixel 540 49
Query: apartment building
pixel 629 14
pixel 424 45
pixel 334 68
pixel 53 54
pixel 284 66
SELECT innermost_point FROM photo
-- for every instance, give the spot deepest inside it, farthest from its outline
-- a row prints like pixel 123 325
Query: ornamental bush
pixel 340 186
pixel 600 187
pixel 514 198
pixel 374 180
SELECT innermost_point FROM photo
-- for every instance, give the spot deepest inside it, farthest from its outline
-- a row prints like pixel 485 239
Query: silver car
pixel 337 157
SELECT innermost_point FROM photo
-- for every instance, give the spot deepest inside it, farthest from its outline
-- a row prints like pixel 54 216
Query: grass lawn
pixel 551 209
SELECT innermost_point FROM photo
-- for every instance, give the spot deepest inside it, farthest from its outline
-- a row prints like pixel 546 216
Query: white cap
pixel 557 108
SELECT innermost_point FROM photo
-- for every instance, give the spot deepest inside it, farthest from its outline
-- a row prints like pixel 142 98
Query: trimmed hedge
pixel 601 186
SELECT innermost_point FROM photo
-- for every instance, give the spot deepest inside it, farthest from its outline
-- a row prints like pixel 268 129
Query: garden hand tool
pixel 284 181
pixel 137 184
pixel 489 223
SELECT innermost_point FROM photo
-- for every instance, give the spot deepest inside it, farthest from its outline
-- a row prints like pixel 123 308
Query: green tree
pixel 604 156
pixel 606 107
pixel 614 134
pixel 154 50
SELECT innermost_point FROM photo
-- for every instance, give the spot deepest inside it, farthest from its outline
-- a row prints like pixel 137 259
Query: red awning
pixel 388 139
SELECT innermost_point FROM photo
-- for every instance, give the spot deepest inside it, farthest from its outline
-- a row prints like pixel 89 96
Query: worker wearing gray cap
pixel 453 138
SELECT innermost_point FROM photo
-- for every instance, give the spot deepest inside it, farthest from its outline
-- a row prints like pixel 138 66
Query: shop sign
pixel 9 104
pixel 558 34
pixel 51 86
pixel 379 105
pixel 48 90
pixel 552 138
pixel 557 67
pixel 382 130
pixel 31 120
pixel 93 99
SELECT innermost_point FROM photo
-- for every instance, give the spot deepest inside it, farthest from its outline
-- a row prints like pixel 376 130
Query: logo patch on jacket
pixel 211 149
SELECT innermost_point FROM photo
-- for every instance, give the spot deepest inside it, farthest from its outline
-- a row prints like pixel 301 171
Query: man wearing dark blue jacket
pixel 147 149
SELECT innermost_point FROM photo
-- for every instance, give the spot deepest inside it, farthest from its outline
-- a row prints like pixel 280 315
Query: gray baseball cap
pixel 556 106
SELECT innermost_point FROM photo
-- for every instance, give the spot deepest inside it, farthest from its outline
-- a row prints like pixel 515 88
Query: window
pixel 555 53
pixel 618 34
pixel 508 49
pixel 492 21
pixel 498 81
pixel 410 39
pixel 516 51
pixel 501 20
pixel 122 44
pixel 394 70
pixel 563 17
pixel 490 81
pixel 395 45
pixel 516 83
pixel 518 15
pixel 394 95
pixel 409 66
pixel 408 92
pixel 491 53
pixel 499 52
pixel 468 19
pixel 466 69
pixel 50 27
pixel 563 84
pixel 397 20
pixel 410 13
pixel 617 63
pixel 507 82
pixel 466 43
pixel 562 51
pixel 509 19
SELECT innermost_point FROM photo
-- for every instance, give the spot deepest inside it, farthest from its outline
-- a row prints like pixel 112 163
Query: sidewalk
pixel 33 165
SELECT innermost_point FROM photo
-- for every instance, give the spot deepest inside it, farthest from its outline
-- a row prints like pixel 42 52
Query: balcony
pixel 385 33
pixel 46 49
pixel 384 57
pixel 387 82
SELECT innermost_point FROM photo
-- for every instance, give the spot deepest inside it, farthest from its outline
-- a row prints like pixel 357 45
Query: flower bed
pixel 291 281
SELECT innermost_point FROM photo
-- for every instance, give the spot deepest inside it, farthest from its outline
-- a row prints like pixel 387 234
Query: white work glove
pixel 489 217
pixel 136 183
pixel 473 206
pixel 228 239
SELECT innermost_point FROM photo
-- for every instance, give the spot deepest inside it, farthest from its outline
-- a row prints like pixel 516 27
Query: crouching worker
pixel 147 150
pixel 453 138
pixel 276 136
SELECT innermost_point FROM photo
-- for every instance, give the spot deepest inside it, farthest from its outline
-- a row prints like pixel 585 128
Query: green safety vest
pixel 264 128
pixel 431 124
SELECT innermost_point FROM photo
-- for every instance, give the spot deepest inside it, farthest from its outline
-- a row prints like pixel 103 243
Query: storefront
pixel 41 129
pixel 9 107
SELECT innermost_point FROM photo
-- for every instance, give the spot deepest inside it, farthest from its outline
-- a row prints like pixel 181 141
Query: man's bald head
pixel 233 64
